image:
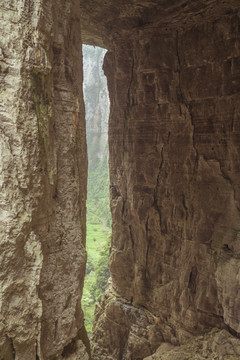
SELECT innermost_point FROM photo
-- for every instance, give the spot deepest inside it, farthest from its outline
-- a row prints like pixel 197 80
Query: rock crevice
pixel 43 180
pixel 174 86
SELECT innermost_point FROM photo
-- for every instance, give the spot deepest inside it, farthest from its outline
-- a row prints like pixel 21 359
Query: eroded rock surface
pixel 174 171
pixel 42 181
pixel 218 345
pixel 135 329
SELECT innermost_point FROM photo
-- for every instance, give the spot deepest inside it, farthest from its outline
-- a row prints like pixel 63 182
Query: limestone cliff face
pixel 96 104
pixel 174 171
pixel 42 181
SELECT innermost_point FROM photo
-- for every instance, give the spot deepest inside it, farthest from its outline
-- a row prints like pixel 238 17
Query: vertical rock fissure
pixel 155 197
pixel 148 241
pixel 13 349
pixel 230 181
pixel 180 92
pixel 96 99
pixel 128 110
pixel 132 239
pixel 183 100
pixel 184 205
pixel 129 103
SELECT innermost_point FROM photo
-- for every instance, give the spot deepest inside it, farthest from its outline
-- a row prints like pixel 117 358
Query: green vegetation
pixel 98 209
pixel 98 240
pixel 97 272
pixel 102 272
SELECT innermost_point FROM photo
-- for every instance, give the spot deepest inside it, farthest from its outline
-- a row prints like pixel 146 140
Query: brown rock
pixel 43 181
pixel 136 333
pixel 218 345
pixel 174 172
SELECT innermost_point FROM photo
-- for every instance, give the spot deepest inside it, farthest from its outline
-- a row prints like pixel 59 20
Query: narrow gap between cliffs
pixel 99 220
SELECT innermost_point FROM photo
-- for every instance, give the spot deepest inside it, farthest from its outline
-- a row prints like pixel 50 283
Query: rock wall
pixel 42 181
pixel 175 197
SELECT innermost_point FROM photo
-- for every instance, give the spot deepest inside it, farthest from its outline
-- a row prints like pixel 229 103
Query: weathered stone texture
pixel 103 21
pixel 43 181
pixel 174 142
pixel 218 345
pixel 133 330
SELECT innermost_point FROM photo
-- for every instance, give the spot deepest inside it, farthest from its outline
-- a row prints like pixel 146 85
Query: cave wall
pixel 43 181
pixel 174 134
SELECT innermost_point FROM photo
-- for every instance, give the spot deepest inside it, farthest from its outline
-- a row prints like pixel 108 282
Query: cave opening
pixel 174 131
pixel 99 220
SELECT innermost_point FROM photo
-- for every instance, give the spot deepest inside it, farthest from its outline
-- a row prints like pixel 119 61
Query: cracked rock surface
pixel 217 344
pixel 174 141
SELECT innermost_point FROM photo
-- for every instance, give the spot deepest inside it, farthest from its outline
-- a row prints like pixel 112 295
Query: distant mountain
pixel 97 113
pixel 96 104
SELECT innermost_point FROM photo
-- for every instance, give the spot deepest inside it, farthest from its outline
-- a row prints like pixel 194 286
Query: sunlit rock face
pixel 174 140
pixel 43 181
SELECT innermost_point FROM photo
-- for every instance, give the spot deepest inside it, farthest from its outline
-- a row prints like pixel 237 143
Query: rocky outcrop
pixel 217 344
pixel 103 22
pixel 43 181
